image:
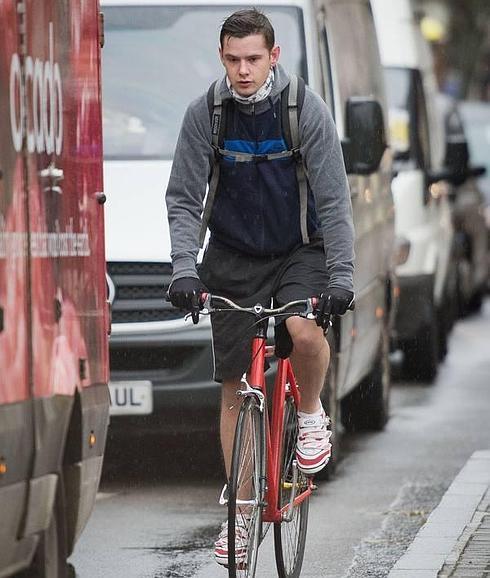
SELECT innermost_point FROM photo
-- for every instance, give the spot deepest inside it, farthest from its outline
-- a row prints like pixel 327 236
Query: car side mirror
pixel 365 140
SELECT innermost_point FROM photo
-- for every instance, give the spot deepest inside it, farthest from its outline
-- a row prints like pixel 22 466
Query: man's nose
pixel 243 70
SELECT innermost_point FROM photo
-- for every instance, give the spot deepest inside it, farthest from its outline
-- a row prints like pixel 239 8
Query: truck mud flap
pixel 82 465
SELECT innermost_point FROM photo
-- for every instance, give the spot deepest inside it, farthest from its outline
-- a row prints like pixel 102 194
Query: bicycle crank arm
pixel 288 514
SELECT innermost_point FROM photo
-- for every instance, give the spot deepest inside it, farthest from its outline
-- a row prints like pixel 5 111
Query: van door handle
pixel 53 174
pixel 1 320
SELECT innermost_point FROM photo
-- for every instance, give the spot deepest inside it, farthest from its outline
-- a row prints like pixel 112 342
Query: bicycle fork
pixel 256 393
pixel 249 391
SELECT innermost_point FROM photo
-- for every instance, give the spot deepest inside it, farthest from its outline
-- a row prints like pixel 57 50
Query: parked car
pixel 468 206
pixel 476 120
pixel 423 222
pixel 161 367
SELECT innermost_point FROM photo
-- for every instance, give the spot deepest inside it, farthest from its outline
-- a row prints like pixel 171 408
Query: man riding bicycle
pixel 274 234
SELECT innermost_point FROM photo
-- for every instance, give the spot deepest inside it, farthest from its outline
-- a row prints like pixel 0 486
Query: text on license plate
pixel 131 397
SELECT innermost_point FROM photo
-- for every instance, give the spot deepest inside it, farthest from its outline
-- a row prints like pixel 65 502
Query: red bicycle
pixel 265 485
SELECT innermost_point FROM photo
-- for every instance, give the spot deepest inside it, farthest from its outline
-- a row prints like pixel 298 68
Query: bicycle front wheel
pixel 290 534
pixel 246 491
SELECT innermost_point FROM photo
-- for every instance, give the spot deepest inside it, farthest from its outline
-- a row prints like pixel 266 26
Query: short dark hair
pixel 246 22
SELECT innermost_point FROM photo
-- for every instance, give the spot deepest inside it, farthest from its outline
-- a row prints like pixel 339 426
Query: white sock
pixel 318 413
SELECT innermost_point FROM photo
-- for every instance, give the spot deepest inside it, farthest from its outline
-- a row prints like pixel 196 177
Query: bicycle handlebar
pixel 258 310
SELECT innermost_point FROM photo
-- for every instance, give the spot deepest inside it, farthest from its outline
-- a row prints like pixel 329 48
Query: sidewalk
pixel 455 540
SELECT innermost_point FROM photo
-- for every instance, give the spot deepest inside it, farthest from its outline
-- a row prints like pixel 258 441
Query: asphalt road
pixel 157 513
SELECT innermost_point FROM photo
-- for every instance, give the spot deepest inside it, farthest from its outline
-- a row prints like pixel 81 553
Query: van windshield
pixel 157 59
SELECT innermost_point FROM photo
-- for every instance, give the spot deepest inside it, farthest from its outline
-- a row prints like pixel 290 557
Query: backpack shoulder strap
pixel 216 116
pixel 292 99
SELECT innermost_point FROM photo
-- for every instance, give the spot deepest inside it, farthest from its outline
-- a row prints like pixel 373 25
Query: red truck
pixel 54 317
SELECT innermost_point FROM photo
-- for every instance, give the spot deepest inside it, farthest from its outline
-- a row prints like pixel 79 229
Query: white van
pixel 158 56
pixel 423 216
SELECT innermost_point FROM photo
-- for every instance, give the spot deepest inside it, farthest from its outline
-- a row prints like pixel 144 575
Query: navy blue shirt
pixel 256 209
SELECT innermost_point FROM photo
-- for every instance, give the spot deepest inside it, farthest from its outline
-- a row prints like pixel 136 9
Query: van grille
pixel 152 359
pixel 140 292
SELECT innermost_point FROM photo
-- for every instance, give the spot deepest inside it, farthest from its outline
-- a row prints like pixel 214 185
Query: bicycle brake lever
pixel 195 308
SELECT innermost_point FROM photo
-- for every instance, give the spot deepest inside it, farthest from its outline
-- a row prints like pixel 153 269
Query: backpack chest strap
pixel 241 157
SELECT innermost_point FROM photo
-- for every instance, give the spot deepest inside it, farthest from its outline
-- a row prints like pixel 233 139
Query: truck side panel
pixel 16 426
pixel 53 310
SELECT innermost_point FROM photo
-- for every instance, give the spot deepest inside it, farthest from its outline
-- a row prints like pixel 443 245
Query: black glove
pixel 184 293
pixel 334 301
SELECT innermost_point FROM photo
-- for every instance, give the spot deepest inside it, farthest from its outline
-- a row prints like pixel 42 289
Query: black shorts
pixel 249 280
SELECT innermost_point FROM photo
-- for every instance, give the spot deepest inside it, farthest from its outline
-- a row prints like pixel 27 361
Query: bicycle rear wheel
pixel 246 491
pixel 290 536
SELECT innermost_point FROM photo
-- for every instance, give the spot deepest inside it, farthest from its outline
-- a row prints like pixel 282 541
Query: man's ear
pixel 220 50
pixel 275 52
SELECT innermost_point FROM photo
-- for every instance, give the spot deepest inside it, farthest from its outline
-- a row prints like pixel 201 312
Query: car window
pixel 155 64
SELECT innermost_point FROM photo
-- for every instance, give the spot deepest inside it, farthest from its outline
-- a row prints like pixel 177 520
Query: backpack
pixel 292 98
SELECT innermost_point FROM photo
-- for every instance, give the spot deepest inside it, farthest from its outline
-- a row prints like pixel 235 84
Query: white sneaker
pixel 313 448
pixel 241 542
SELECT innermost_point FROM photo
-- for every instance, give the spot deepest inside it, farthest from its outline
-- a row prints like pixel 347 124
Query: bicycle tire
pixel 290 537
pixel 247 477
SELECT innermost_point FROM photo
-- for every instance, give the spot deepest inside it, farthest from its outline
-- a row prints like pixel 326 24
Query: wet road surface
pixel 157 513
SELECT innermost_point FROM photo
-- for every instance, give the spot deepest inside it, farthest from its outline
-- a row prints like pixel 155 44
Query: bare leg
pixel 230 407
pixel 310 359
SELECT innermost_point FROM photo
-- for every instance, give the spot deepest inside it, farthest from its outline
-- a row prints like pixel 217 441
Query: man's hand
pixel 184 293
pixel 334 301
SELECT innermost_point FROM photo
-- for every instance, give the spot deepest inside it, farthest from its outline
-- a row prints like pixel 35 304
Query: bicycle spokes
pixel 245 494
pixel 290 534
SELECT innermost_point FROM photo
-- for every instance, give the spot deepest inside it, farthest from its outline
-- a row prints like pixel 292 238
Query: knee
pixel 229 390
pixel 309 341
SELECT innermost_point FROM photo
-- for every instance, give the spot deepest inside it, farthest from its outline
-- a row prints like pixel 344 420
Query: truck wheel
pixel 50 558
pixel 367 407
pixel 422 353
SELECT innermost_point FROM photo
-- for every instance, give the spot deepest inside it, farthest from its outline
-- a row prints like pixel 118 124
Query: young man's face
pixel 247 61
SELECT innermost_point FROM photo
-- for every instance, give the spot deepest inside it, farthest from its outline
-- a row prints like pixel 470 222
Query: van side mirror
pixel 365 140
pixel 477 171
pixel 457 159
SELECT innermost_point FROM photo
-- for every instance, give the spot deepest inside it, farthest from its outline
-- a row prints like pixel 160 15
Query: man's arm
pixel 187 187
pixel 322 154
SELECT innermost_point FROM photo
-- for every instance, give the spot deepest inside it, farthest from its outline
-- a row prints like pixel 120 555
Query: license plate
pixel 131 397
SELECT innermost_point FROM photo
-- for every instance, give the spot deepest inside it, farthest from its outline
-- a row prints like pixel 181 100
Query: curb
pixel 449 528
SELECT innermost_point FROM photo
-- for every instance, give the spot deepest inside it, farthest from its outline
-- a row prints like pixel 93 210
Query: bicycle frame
pixel 274 426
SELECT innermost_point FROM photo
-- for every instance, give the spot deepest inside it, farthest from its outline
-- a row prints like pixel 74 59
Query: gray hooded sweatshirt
pixel 322 158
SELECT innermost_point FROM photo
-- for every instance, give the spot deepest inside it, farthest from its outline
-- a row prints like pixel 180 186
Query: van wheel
pixel 443 332
pixel 476 301
pixel 422 353
pixel 50 557
pixel 331 405
pixel 367 407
